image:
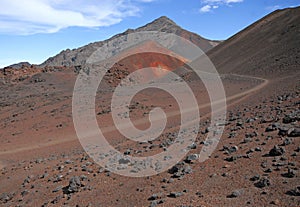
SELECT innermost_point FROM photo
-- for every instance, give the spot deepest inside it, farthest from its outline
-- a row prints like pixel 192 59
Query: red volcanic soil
pixel 256 162
pixel 40 153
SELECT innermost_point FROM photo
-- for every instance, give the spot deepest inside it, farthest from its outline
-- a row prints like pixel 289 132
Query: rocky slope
pixel 268 48
pixel 80 55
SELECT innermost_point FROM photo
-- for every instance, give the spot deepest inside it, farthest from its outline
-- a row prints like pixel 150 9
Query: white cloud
pixel 206 8
pixel 49 16
pixel 209 5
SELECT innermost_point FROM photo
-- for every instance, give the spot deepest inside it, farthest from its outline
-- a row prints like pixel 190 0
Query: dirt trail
pixel 242 96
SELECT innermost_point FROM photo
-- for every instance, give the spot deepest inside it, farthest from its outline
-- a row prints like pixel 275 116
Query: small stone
pixel 74 185
pixel 277 151
pixel 153 197
pixel 58 178
pixel 294 192
pixel 269 170
pixel 264 164
pixel 175 194
pixel 263 182
pixel 235 194
pixel 258 149
pixel 271 128
pixel 294 132
pixel 57 199
pixel 68 162
pixel 153 203
pixel 124 161
pixel 287 141
pixel 231 149
pixel 5 197
pixel 57 189
pixel 25 192
pixel 192 146
pixel 156 202
pixel 289 174
pixel 191 158
pixel 255 178
pixel 225 175
pixel 231 159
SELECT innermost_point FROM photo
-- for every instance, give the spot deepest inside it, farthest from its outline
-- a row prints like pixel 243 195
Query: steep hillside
pixel 268 48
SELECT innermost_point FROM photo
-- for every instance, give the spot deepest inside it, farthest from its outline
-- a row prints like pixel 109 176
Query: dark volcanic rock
pixel 294 132
pixel 192 157
pixel 294 192
pixel 276 151
pixel 180 169
pixel 264 182
pixel 289 174
pixel 74 185
pixel 235 194
pixel 5 197
pixel 175 194
pixel 292 117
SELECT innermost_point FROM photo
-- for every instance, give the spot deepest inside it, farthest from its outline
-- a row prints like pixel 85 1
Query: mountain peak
pixel 163 19
pixel 162 23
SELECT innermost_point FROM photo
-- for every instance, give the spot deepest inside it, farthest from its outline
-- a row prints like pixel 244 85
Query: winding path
pixel 242 96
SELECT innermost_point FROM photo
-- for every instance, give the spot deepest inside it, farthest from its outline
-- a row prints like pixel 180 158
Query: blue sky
pixel 38 29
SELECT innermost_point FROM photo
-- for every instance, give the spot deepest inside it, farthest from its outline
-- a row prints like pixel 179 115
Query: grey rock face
pixel 79 56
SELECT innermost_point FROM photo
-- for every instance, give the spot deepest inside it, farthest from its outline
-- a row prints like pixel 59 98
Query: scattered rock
pixel 294 132
pixel 232 158
pixel 277 151
pixel 25 192
pixel 180 169
pixel 255 178
pixel 230 149
pixel 286 141
pixel 156 202
pixel 154 197
pixel 283 130
pixel 294 192
pixel 175 194
pixel 74 185
pixel 263 182
pixel 56 199
pixel 192 157
pixel 5 197
pixel 269 170
pixel 271 127
pixel 235 194
pixel 289 118
pixel 289 174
